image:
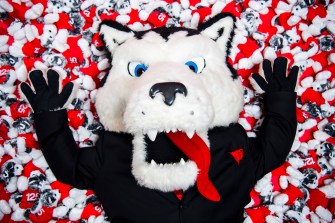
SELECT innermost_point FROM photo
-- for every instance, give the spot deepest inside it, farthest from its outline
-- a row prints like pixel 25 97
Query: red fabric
pixel 29 62
pixel 312 161
pixel 134 17
pixel 4 24
pixel 29 197
pixel 64 189
pixel 93 71
pixel 30 141
pixel 312 96
pixel 43 215
pixel 293 194
pixel 203 12
pixel 179 194
pixel 76 118
pixel 194 2
pixel 20 109
pixel 254 195
pixel 317 198
pixel 91 210
pixel 309 72
pixel 258 215
pixel 4 159
pixel 29 167
pixel 248 48
pixel 308 134
pixel 109 15
pixel 197 150
pixel 302 115
pixel 33 48
pixel 158 19
pixel 4 73
pixel 64 22
pixel 237 154
pixel 332 205
pixel 19 10
pixel 317 10
pixel 234 8
pixel 97 41
pixel 3 131
pixel 43 2
pixel 74 56
pixel 88 15
pixel 39 26
pixel 283 18
pixel 276 174
pixel 3 193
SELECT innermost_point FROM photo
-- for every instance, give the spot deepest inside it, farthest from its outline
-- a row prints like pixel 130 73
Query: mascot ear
pixel 220 28
pixel 114 34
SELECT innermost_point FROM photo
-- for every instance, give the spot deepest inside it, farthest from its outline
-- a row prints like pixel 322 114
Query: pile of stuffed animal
pixel 65 36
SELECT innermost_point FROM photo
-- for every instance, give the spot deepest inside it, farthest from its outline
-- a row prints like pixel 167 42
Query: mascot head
pixel 174 83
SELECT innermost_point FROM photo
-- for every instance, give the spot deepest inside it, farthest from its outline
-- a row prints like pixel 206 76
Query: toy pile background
pixel 37 34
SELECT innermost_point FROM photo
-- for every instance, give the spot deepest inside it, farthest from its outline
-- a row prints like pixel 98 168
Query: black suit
pixel 106 168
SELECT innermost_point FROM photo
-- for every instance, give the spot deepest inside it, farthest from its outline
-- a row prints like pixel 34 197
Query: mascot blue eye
pixel 136 69
pixel 196 64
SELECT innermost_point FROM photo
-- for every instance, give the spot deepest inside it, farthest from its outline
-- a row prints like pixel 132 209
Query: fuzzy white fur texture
pixel 164 177
pixel 213 97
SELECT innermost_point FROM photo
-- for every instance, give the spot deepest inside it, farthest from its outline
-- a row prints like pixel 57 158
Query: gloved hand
pixel 46 96
pixel 276 80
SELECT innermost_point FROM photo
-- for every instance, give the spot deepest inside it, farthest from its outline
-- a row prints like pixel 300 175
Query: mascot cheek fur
pixel 186 86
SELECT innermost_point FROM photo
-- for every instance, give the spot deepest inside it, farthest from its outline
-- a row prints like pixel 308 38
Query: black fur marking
pixel 233 71
pixel 115 25
pixel 213 20
pixel 165 32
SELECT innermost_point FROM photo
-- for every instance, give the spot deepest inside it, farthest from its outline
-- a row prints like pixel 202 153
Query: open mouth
pixel 175 152
pixel 161 151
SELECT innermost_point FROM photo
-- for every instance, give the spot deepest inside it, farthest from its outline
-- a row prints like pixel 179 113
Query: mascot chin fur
pixel 172 150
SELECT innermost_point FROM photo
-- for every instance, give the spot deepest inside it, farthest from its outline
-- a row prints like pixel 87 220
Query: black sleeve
pixel 70 164
pixel 274 141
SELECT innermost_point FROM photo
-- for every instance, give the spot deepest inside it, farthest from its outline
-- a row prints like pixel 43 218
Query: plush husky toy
pixel 171 150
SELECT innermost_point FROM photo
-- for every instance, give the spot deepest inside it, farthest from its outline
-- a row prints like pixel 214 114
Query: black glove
pixel 276 80
pixel 46 97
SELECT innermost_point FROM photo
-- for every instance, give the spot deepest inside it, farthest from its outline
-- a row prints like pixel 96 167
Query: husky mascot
pixel 172 150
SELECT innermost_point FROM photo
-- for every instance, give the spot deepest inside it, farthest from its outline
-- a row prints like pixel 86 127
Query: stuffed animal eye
pixel 136 69
pixel 196 64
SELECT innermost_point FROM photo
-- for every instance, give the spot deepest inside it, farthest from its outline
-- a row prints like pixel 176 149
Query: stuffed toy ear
pixel 114 34
pixel 220 28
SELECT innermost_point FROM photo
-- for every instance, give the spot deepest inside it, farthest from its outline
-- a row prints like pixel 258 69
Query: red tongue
pixel 196 150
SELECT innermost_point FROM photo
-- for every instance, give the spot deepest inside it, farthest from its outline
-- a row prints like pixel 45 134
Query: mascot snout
pixel 168 90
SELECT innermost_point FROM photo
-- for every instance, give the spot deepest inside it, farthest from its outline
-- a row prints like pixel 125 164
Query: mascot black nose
pixel 168 90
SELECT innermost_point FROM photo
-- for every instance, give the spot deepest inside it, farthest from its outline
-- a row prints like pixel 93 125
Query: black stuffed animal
pixel 172 150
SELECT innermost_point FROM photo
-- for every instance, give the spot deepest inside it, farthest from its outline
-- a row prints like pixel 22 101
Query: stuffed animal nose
pixel 168 90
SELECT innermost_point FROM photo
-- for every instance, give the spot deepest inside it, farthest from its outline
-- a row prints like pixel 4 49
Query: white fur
pixel 194 112
pixel 225 94
pixel 114 37
pixel 166 178
pixel 213 97
pixel 212 32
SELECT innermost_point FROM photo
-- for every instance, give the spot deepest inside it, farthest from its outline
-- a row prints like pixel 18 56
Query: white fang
pixel 190 134
pixel 152 134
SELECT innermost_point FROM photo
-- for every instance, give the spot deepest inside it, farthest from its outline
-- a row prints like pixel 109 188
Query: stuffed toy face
pixel 165 80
